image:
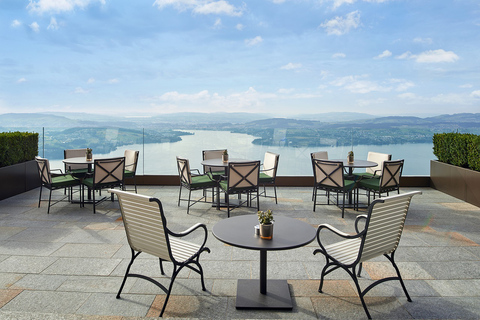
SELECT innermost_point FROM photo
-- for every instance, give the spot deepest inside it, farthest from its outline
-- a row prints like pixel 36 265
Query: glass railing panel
pixel 157 154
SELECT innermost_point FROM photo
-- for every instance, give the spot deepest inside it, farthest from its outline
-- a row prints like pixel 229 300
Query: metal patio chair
pixel 146 229
pixel 383 227
pixel 131 160
pixel 107 173
pixel 268 174
pixel 54 181
pixel 192 182
pixel 242 178
pixel 389 180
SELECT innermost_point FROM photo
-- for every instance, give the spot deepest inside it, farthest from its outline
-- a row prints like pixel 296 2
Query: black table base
pixel 277 296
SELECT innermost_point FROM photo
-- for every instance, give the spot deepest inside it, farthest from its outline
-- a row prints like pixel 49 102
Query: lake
pixel 160 158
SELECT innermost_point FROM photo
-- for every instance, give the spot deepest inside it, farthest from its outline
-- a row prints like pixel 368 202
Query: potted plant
pixel 225 156
pixel 89 154
pixel 350 157
pixel 266 224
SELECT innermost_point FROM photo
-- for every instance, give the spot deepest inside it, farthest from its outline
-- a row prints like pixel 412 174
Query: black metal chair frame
pixel 336 187
pixel 134 177
pixel 183 171
pixel 332 264
pixel 177 266
pixel 384 185
pixel 49 185
pixel 251 188
pixel 272 181
pixel 103 183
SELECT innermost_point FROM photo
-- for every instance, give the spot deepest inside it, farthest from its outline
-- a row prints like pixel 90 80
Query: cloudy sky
pixel 282 57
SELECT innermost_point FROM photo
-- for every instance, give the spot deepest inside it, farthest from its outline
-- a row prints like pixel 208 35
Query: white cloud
pixel 43 6
pixel 201 6
pixel 239 27
pixel 338 3
pixel 436 56
pixel 361 84
pixel 285 90
pixel 15 23
pixel 35 27
pixel 218 23
pixel 342 25
pixel 254 41
pixel 339 55
pixel 111 81
pixel 91 80
pixel 423 40
pixel 431 56
pixel 291 66
pixel 53 24
pixel 405 55
pixel 80 90
pixel 21 80
pixel 475 94
pixel 384 54
pixel 466 85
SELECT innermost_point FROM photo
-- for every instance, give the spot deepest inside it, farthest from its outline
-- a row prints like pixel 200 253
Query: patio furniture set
pixel 378 231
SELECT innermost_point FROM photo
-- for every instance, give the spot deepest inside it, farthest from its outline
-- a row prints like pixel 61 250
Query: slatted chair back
pixel 109 172
pixel 384 225
pixel 391 173
pixel 74 153
pixel 145 224
pixel 243 176
pixel 44 170
pixel 212 154
pixel 131 160
pixel 328 173
pixel 323 155
pixel 379 158
pixel 270 164
pixel 183 166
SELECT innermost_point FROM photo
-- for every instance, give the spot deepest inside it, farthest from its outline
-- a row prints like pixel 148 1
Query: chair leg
pixel 40 197
pixel 179 195
pixel 49 200
pixel 174 275
pixel 134 256
pixel 314 198
pixel 189 198
pixel 275 191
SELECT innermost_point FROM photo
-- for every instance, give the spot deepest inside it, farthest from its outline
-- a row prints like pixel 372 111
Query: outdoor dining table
pixel 288 233
pixel 220 163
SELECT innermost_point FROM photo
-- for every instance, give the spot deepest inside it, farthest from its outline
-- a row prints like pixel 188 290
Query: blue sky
pixel 281 57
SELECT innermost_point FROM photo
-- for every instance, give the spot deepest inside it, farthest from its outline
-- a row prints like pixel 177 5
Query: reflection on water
pixel 159 158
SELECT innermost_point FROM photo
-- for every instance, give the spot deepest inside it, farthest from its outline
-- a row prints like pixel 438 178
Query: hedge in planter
pixel 17 147
pixel 458 149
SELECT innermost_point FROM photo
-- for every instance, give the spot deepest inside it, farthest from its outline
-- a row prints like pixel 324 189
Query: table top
pixel 288 233
pixel 220 163
pixel 79 160
pixel 357 163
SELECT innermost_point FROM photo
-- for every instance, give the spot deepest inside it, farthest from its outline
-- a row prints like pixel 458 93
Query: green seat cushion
pixel 224 186
pixel 129 174
pixel 202 181
pixel 364 175
pixel 371 184
pixel 64 181
pixel 263 178
pixel 89 183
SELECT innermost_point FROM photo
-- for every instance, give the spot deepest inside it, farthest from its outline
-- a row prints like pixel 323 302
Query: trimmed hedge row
pixel 458 149
pixel 17 147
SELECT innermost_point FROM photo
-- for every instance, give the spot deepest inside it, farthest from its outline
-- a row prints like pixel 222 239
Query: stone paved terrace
pixel 69 264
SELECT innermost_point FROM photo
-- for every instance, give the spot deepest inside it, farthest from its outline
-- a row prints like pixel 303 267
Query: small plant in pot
pixel 266 224
pixel 225 156
pixel 88 154
pixel 350 157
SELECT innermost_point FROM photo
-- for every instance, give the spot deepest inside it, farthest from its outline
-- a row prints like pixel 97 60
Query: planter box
pixel 18 178
pixel 461 183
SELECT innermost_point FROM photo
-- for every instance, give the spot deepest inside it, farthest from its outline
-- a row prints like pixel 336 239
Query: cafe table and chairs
pixel 288 233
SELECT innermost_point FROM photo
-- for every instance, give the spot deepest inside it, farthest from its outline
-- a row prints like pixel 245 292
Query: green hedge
pixel 17 147
pixel 459 149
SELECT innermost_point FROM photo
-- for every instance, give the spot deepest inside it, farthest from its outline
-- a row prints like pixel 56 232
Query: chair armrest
pixel 334 230
pixel 198 172
pixel 190 230
pixel 357 220
pixel 375 172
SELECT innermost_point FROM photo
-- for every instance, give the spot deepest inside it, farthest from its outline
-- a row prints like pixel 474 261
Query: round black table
pixel 288 233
